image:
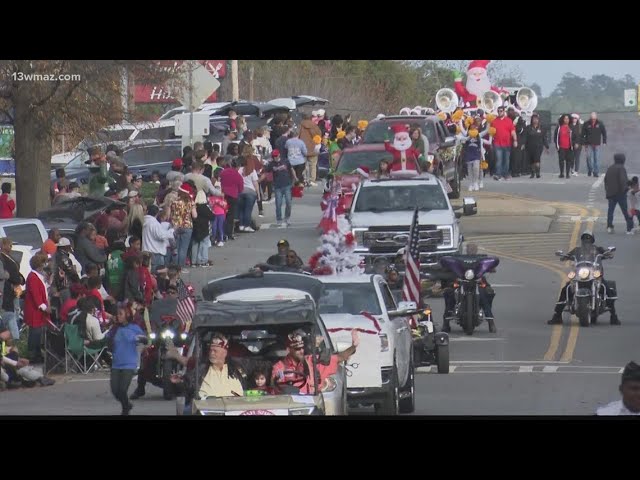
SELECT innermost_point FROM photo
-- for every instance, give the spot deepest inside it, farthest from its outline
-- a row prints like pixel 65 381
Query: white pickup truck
pixel 381 372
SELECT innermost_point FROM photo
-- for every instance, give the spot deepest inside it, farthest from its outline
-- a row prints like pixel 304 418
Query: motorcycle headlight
pixel 584 273
pixel 152 336
pixel 469 275
pixel 597 273
pixel 571 275
pixel 183 336
pixel 167 334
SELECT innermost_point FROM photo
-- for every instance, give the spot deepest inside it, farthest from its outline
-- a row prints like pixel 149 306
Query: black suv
pixel 441 143
pixel 142 157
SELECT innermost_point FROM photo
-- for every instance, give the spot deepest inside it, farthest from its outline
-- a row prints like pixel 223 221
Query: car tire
pixel 408 405
pixel 390 404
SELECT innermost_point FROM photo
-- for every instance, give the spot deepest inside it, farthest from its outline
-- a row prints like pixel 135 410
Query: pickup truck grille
pixel 389 239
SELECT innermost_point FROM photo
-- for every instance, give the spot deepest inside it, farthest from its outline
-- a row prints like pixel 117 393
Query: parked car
pixel 442 145
pixel 382 369
pixel 143 157
pixel 24 231
pixel 256 312
pixel 79 209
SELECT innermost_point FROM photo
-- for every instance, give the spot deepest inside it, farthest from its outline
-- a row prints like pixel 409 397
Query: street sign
pixel 630 97
pixel 196 85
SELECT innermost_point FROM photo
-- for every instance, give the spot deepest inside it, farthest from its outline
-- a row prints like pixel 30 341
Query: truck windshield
pixel 385 199
pixel 349 298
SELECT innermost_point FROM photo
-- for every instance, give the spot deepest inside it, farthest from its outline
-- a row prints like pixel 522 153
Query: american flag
pixel 411 287
pixel 186 309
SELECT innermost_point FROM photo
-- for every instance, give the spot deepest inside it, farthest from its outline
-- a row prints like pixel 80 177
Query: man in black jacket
pixel 616 184
pixel 517 166
pixel 593 135
pixel 14 280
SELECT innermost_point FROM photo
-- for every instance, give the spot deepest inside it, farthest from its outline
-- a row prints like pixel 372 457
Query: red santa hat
pixel 478 64
pixel 399 128
pixel 362 170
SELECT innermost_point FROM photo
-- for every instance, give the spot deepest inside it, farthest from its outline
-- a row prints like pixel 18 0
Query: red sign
pixel 160 93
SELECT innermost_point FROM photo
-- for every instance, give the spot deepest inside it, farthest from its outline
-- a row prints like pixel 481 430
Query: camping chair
pixel 76 351
pixel 54 348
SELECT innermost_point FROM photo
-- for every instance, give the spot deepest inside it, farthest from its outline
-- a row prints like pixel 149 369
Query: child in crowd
pixel 219 207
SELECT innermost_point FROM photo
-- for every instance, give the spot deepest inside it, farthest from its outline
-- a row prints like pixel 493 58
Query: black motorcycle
pixel 158 367
pixel 587 293
pixel 469 274
pixel 429 347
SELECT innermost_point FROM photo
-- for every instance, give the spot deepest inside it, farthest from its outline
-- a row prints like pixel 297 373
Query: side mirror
pixel 469 206
pixel 611 249
pixel 449 142
pixel 559 253
pixel 407 306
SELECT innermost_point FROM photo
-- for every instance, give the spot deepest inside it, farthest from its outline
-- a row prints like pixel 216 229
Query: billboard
pixel 161 94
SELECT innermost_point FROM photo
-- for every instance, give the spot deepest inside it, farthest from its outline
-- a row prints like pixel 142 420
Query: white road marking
pixel 550 369
pixel 452 368
pixel 526 369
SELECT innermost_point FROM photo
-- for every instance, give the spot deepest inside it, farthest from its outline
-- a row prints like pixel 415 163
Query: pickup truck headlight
pixel 384 342
pixel 358 234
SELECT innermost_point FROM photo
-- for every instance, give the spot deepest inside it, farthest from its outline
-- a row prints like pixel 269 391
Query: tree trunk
pixel 33 155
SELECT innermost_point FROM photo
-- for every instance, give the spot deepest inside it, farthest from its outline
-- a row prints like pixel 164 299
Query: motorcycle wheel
pixel 167 390
pixel 583 310
pixel 442 355
pixel 468 314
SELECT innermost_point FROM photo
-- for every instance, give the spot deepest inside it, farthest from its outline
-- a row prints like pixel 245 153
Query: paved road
pixel 526 368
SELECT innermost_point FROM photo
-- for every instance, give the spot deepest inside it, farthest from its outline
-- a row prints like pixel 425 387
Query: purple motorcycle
pixel 469 271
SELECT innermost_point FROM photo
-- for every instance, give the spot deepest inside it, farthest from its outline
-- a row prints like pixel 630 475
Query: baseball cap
pixel 282 243
pixel 177 163
pixel 63 242
pixel 295 341
pixel 136 177
pixel 275 153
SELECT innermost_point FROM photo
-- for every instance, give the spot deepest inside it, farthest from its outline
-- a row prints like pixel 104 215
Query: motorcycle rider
pixel 486 294
pixel 587 248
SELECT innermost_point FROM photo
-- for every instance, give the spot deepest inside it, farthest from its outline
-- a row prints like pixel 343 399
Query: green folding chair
pixel 77 355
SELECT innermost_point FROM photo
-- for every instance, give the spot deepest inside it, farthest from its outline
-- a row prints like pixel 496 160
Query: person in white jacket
pixel 633 205
pixel 155 237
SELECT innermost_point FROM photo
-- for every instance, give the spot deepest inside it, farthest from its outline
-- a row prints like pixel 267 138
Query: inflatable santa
pixel 477 83
pixel 405 156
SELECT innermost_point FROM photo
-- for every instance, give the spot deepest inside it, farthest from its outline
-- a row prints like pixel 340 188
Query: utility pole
pixel 235 94
pixel 191 106
pixel 124 89
pixel 251 83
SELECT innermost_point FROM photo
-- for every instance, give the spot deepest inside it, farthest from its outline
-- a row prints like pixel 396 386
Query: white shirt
pixel 249 179
pixel 43 306
pixel 615 408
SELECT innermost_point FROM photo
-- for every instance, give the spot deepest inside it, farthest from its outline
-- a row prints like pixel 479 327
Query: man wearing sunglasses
pixel 502 140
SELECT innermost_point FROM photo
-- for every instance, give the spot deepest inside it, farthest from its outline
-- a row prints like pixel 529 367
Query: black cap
pixel 631 372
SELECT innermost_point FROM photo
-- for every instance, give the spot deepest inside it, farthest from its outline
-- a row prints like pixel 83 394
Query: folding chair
pixel 54 349
pixel 76 351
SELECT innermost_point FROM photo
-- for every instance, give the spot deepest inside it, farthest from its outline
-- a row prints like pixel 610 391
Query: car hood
pixel 371 219
pixel 259 405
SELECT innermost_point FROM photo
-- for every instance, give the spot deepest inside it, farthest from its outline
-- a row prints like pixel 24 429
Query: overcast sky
pixel 547 73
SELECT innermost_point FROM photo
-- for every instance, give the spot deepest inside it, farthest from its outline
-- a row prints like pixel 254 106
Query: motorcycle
pixel 158 368
pixel 587 294
pixel 429 347
pixel 469 274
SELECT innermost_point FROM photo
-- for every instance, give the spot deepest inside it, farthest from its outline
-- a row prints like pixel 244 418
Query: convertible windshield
pixel 385 199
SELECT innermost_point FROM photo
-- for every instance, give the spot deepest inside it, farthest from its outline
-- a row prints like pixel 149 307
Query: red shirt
pixel 231 182
pixel 49 247
pixel 564 137
pixel 504 127
pixel 66 308
pixel 7 206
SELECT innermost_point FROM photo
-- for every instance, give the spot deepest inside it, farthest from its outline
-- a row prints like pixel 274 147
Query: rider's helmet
pixel 587 238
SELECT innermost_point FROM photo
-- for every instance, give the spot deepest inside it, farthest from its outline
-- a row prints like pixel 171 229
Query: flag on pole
pixel 411 287
pixel 186 309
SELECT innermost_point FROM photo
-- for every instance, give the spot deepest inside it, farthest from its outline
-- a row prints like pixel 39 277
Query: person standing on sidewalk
pixel 232 185
pixel 308 130
pixel 576 129
pixel 593 136
pixel 283 178
pixel 616 183
pixel 534 141
pixel 296 154
pixel 517 166
pixel 503 139
pixel 564 144
pixel 632 201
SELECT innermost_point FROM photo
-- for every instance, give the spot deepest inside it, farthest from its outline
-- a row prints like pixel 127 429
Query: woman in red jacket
pixel 7 204
pixel 36 306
